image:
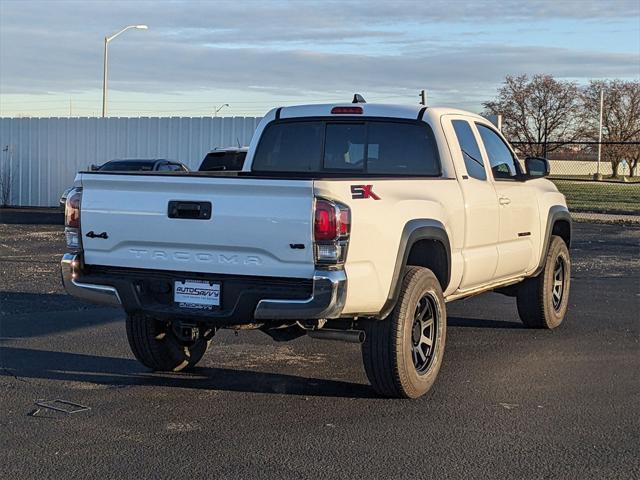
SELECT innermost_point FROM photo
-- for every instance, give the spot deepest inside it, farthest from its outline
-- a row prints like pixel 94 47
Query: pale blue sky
pixel 258 54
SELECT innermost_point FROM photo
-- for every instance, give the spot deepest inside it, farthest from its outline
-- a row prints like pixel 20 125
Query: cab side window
pixel 175 167
pixel 170 167
pixel 470 149
pixel 503 164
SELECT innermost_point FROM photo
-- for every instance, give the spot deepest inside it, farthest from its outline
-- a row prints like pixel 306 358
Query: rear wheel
pixel 543 300
pixel 156 346
pixel 402 354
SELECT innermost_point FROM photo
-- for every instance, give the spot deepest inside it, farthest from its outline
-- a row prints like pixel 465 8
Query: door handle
pixel 504 201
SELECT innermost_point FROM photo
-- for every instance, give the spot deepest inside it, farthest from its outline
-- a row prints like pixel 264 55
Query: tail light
pixel 72 219
pixel 332 226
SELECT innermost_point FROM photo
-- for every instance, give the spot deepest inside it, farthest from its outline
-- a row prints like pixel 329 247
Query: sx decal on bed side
pixel 363 191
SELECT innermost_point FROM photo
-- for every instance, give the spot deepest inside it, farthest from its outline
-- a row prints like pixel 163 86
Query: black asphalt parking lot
pixel 509 402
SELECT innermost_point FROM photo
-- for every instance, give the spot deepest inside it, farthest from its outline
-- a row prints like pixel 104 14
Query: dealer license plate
pixel 198 294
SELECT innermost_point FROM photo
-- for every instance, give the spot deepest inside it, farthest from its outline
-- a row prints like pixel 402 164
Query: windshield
pixel 375 147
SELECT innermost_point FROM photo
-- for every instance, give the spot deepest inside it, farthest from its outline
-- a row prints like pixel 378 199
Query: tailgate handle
pixel 189 210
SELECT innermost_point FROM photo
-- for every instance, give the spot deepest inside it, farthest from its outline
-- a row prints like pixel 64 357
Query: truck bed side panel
pixel 377 225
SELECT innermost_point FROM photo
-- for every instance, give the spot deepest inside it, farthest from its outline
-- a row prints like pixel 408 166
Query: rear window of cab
pixel 373 147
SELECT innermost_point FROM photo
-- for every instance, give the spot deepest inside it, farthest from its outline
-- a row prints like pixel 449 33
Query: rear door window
pixel 470 150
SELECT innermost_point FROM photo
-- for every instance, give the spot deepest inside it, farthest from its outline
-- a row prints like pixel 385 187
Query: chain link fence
pixel 609 188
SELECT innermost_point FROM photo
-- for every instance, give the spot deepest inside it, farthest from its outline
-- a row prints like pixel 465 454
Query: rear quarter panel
pixel 377 225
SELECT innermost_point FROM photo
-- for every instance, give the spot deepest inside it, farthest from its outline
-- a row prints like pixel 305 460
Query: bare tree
pixel 620 120
pixel 536 111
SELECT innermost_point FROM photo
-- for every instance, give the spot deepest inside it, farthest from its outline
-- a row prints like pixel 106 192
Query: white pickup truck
pixel 353 222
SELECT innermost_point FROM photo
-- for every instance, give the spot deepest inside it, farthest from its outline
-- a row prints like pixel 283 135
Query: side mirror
pixel 536 167
pixel 93 167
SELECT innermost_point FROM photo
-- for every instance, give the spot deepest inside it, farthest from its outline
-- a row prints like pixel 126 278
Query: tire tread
pixel 381 350
pixel 533 298
pixel 165 355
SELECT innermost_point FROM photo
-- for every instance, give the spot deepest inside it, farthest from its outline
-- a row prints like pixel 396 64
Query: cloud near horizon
pixel 455 48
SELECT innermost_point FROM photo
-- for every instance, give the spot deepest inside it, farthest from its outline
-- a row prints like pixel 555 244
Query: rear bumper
pixel 324 298
pixel 102 294
pixel 326 301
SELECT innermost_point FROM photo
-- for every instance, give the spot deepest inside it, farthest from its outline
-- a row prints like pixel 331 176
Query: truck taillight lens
pixel 325 223
pixel 332 226
pixel 72 219
pixel 72 209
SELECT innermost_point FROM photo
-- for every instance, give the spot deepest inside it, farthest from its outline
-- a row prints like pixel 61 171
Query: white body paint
pixel 255 220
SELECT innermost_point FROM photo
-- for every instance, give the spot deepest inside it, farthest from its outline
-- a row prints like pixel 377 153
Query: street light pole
pixel 217 109
pixel 105 66
pixel 104 78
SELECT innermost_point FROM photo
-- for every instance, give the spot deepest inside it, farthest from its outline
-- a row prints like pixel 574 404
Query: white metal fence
pixel 39 157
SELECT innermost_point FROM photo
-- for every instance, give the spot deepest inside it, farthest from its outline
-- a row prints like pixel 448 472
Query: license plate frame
pixel 197 294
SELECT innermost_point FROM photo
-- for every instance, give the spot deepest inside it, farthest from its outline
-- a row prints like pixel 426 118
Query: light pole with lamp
pixel 216 110
pixel 106 63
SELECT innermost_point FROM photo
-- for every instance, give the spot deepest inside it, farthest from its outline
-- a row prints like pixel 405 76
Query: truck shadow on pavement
pixel 27 315
pixel 24 364
pixel 24 315
pixel 482 323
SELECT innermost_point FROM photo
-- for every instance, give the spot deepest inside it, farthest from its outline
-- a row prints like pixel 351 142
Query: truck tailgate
pixel 256 227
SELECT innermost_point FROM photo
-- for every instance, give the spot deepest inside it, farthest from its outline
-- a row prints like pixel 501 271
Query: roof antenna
pixel 357 98
pixel 238 140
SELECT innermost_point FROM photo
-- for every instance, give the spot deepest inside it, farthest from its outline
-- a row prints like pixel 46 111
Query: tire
pixel 543 299
pixel 154 344
pixel 389 352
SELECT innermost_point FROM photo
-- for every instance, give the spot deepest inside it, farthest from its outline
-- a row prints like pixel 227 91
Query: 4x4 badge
pixel 363 191
pixel 92 234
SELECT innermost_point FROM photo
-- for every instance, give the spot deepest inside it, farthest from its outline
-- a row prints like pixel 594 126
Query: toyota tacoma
pixel 354 222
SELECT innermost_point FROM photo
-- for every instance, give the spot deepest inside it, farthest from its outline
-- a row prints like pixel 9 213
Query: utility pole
pixel 598 175
pixel 423 97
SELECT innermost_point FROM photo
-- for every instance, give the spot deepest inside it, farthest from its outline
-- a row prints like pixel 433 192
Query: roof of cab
pixel 228 149
pixel 371 110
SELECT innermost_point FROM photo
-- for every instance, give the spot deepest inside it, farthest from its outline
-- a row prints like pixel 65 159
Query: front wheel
pixel 402 354
pixel 156 346
pixel 543 300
